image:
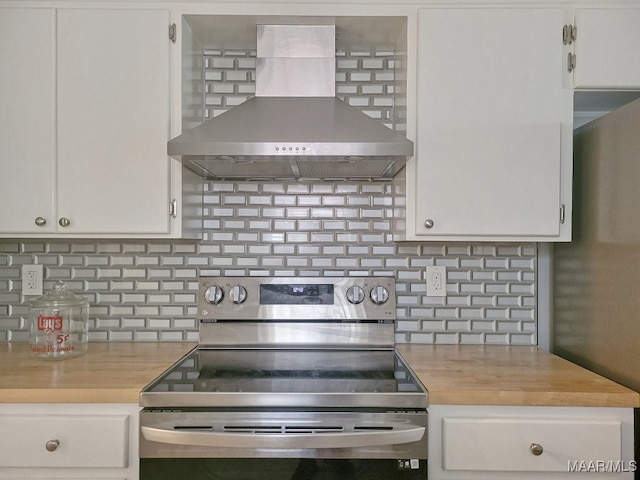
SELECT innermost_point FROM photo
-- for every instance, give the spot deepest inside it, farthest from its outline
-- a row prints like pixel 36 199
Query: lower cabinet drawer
pixel 527 445
pixel 64 441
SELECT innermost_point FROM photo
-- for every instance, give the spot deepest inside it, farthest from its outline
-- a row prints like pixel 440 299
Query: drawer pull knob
pixel 428 223
pixel 40 221
pixel 52 445
pixel 536 449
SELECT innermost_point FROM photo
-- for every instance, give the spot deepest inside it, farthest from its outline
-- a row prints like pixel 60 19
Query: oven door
pixel 287 445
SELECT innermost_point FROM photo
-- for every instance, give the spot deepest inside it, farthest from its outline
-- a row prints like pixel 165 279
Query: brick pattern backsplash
pixel 365 80
pixel 146 290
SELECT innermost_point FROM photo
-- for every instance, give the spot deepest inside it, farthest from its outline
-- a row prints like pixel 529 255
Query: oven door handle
pixel 366 438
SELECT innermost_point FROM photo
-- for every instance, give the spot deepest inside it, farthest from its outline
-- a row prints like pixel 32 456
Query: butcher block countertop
pixel 107 373
pixel 517 375
pixel 456 375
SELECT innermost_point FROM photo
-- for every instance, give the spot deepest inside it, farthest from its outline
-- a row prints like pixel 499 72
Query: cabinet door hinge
pixel 173 208
pixel 569 34
pixel 562 214
pixel 571 62
pixel 173 32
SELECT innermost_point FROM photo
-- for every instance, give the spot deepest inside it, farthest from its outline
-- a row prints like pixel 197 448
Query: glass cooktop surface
pixel 281 377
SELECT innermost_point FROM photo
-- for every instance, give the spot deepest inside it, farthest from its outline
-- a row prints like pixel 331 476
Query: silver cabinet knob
pixel 355 295
pixel 214 295
pixel 238 294
pixel 379 295
pixel 40 221
pixel 52 445
pixel 428 223
pixel 536 449
pixel 64 222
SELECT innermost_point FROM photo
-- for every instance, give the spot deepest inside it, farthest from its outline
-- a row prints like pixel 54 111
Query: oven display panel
pixel 297 294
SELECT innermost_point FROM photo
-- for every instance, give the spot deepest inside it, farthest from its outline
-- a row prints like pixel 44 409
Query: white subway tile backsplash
pixel 334 225
pixel 246 63
pixel 310 225
pixel 346 90
pixel 260 224
pixel 347 64
pixel 225 63
pixel 233 224
pixel 358 101
pixel 247 262
pixel 260 200
pixel 169 336
pixel 309 250
pixel 237 76
pixel 323 237
pixel 297 237
pixel 384 76
pixel 284 225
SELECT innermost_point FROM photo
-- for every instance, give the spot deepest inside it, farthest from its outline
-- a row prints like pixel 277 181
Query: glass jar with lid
pixel 59 324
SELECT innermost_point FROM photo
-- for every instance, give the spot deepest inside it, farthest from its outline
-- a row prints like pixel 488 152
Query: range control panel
pixel 297 298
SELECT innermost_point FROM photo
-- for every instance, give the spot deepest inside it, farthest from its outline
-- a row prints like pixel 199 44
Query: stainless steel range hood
pixel 295 126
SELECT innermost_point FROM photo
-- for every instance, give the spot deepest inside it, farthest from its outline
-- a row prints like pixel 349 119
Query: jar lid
pixel 59 297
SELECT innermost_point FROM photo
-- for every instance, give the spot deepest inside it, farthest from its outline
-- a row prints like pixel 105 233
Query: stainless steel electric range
pixel 293 378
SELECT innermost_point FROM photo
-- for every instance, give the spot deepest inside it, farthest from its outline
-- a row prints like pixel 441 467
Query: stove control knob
pixel 238 294
pixel 355 295
pixel 214 295
pixel 379 295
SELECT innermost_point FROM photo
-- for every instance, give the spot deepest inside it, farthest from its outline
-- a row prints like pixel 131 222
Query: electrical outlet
pixel 436 281
pixel 32 279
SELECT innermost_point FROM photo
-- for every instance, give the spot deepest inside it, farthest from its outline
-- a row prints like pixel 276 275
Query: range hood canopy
pixel 295 126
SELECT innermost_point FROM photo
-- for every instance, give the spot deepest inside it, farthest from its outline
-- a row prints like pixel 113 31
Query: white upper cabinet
pixel 493 126
pixel 113 120
pixel 606 46
pixel 83 143
pixel 27 119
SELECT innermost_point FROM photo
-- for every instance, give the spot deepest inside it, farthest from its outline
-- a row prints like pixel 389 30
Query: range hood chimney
pixel 294 127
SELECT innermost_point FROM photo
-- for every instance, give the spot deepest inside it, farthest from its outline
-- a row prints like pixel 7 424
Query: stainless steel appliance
pixel 596 286
pixel 294 126
pixel 294 378
pixel 596 282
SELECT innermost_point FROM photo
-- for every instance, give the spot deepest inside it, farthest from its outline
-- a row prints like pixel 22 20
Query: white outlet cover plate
pixel 32 279
pixel 436 281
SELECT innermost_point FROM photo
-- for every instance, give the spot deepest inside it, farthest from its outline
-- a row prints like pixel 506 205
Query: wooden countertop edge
pixel 533 399
pixel 69 395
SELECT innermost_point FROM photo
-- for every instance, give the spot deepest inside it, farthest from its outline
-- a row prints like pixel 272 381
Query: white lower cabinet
pixel 90 441
pixel 487 442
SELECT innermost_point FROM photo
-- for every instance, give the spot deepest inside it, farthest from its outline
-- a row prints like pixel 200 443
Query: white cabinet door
pixel 65 440
pixel 489 124
pixel 113 120
pixel 69 441
pixel 27 120
pixel 486 442
pixel 528 444
pixel 606 48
